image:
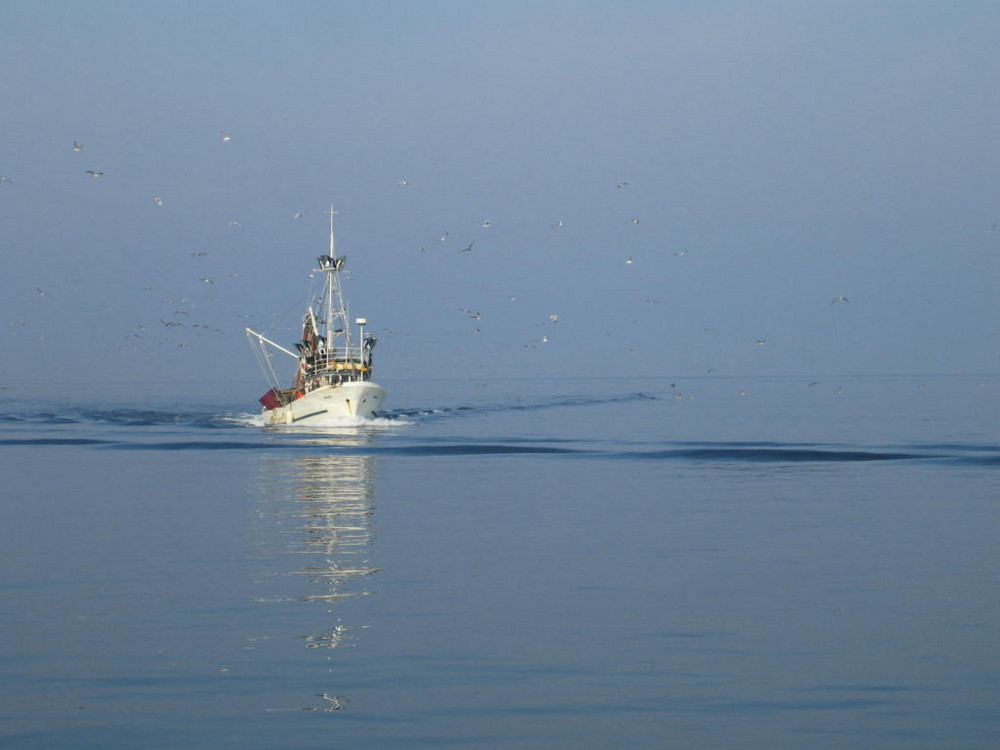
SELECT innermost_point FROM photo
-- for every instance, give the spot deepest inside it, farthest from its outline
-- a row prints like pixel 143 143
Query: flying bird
pixel 158 201
pixel 94 174
pixel 77 146
pixel 468 248
pixel 835 300
pixel 225 136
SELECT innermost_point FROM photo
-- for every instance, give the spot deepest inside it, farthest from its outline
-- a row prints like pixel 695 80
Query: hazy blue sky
pixel 777 155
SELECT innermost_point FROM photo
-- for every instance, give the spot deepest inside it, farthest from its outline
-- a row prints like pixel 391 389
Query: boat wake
pixel 134 417
pixel 330 424
pixel 137 416
pixel 137 428
pixel 446 412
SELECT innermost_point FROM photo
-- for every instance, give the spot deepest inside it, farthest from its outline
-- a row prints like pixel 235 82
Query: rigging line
pixel 263 360
pixel 272 324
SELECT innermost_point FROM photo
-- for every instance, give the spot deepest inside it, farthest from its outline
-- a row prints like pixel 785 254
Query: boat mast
pixel 328 316
pixel 336 310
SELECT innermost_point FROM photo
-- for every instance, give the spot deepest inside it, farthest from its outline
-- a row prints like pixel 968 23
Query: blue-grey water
pixel 616 563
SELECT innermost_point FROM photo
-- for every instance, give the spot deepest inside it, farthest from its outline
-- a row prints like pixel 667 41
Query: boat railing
pixel 340 359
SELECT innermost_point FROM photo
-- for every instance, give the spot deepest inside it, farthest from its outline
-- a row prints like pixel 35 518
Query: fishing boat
pixel 334 367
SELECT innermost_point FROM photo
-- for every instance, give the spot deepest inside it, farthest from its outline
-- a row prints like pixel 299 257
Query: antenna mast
pixel 336 308
pixel 331 212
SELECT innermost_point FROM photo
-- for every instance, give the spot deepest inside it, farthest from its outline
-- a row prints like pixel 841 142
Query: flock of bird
pixel 554 317
pixel 179 315
pixel 176 320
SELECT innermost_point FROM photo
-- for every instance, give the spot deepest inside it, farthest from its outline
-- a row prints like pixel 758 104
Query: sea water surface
pixel 615 563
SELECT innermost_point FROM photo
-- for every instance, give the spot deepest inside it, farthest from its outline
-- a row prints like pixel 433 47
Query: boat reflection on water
pixel 321 505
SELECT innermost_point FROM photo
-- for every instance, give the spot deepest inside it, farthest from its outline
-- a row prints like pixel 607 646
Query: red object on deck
pixel 270 399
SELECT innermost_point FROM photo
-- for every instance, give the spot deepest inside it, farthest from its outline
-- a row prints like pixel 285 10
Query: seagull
pixel 468 248
pixel 680 253
pixel 158 201
pixel 635 221
pixel 402 183
pixel 234 224
pixel 628 261
pixel 487 223
pixel 208 281
pixel 77 146
pixel 199 253
pixel 297 215
pixel 558 224
pixel 335 702
pixel 94 174
pixel 444 236
pixel 761 342
pixel 170 323
pixel 554 317
pixel 622 184
pixel 835 300
pixel 225 136
pixel 4 178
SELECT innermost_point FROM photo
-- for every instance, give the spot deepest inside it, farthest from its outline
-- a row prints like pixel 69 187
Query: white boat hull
pixel 329 404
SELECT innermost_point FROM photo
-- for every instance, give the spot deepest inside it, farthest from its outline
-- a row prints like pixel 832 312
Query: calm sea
pixel 699 563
